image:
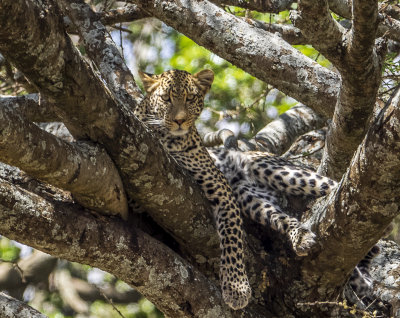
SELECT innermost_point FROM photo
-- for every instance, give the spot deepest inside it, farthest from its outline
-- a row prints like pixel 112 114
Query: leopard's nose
pixel 179 121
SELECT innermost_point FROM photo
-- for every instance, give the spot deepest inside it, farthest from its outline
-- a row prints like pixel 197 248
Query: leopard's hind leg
pixel 261 206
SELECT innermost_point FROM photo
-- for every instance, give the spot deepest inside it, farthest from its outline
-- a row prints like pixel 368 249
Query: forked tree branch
pixel 279 134
pixel 321 30
pixel 83 169
pixel 355 216
pixel 102 50
pixel 360 69
pixel 258 52
pixel 171 283
pixel 88 107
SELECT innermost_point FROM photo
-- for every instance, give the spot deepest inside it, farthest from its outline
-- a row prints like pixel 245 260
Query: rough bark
pixel 258 52
pixel 175 286
pixel 318 26
pixel 361 73
pixel 11 308
pixel 279 134
pixel 357 214
pixel 90 110
pixel 102 50
pixel 32 107
pixel 103 114
pixel 80 168
pixel 288 32
pixel 357 58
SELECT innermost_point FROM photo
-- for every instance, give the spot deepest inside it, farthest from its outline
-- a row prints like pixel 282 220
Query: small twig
pixel 265 93
pixel 110 301
pixel 389 90
pixel 120 40
pixel 120 28
pixel 17 268
pixel 20 271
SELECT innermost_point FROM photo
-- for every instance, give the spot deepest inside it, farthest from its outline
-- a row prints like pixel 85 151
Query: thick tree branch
pixel 321 30
pixel 11 308
pixel 389 24
pixel 361 73
pixel 102 50
pixel 366 201
pixel 279 134
pixel 256 51
pixel 31 106
pixel 88 106
pixel 80 168
pixel 176 287
pixel 288 32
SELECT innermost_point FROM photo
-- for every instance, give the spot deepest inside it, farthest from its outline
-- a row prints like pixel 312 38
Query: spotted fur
pixel 259 179
pixel 174 101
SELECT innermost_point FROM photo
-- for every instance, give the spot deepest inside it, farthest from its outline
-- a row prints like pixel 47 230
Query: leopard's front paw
pixel 236 292
pixel 303 240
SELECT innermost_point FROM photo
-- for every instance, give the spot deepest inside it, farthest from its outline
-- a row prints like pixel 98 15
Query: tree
pixel 172 256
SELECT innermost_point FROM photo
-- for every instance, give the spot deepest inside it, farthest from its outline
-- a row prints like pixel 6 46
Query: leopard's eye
pixel 166 97
pixel 190 97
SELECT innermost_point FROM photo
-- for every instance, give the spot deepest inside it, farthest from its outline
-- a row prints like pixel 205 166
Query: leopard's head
pixel 176 98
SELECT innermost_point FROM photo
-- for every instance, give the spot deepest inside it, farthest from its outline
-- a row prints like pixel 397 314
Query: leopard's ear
pixel 150 81
pixel 204 79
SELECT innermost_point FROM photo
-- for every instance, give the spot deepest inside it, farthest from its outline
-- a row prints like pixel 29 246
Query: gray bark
pixel 90 110
pixel 173 284
pixel 358 59
pixel 185 285
pixel 279 134
pixel 258 52
pixel 81 168
pixel 31 107
pixel 385 272
pixel 11 308
pixel 357 214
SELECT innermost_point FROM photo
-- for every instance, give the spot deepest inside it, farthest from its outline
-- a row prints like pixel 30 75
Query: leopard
pixel 234 182
pixel 173 101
